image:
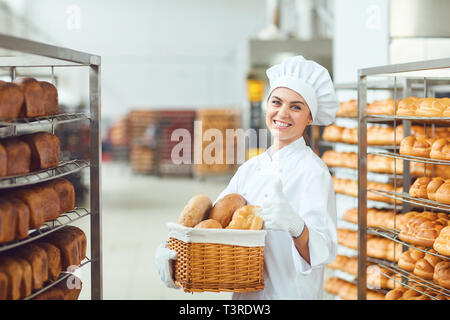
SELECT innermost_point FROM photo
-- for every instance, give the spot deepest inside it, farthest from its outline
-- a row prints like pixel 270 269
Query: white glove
pixel 278 214
pixel 165 259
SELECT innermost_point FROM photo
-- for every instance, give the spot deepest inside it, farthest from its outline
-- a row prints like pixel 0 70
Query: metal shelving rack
pixel 404 77
pixel 22 53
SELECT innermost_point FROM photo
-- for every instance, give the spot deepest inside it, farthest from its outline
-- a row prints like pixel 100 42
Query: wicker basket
pixel 218 260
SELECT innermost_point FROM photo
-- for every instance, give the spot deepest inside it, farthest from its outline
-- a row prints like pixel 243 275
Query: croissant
pixel 440 149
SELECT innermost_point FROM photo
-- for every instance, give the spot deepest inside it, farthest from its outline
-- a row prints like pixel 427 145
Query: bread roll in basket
pixel 215 257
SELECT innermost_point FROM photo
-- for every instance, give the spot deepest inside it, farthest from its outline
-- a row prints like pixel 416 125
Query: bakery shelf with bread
pixel 220 247
pixel 346 290
pixel 38 244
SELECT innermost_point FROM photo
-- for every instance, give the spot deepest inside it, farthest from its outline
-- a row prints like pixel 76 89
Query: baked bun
pixel 195 210
pixel 433 186
pixel 383 107
pixel 209 224
pixel 419 188
pixel 430 107
pixel 332 133
pixel 443 193
pixel 442 242
pixel 408 106
pixel 440 149
pixel 247 218
pixel 418 146
pixel 224 208
pixel 348 109
pixel 442 274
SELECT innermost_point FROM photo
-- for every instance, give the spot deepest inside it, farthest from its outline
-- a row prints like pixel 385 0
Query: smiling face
pixel 287 116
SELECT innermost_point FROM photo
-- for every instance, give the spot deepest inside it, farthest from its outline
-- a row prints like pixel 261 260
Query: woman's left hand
pixel 278 214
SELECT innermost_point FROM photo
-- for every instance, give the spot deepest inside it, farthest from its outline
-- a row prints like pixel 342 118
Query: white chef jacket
pixel 308 187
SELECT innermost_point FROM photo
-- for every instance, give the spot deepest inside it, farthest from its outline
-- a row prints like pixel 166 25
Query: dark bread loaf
pixel 72 242
pixel 45 150
pixel 50 201
pixel 3 285
pixel 54 258
pixel 18 155
pixel 38 259
pixel 50 98
pixel 53 293
pixel 14 273
pixel 66 193
pixel 33 93
pixel 22 217
pixel 26 283
pixel 3 161
pixel 11 100
pixel 7 222
pixel 35 205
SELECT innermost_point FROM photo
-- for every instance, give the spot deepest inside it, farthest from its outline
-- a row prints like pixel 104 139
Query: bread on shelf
pixel 442 274
pixel 45 150
pixel 422 228
pixel 419 188
pixel 381 107
pixel 53 258
pixel 443 193
pixel 49 98
pixel 348 109
pixel 440 149
pixel 431 107
pixel 332 133
pixel 442 242
pixel 408 106
pixel 33 105
pixel 417 146
pixel 433 186
pixel 66 193
pixel 8 221
pixel 18 155
pixel 11 100
pixel 349 291
pixel 14 274
pixel 424 268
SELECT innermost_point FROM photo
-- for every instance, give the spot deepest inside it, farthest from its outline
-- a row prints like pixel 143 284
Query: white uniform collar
pixel 285 152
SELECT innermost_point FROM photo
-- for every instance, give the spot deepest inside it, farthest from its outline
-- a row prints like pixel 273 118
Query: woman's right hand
pixel 165 259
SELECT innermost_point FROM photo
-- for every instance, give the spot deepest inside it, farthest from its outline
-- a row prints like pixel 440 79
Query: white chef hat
pixel 311 81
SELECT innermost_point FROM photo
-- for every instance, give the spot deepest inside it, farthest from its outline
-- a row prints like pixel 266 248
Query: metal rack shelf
pixel 63 169
pixel 63 276
pixel 48 227
pixel 36 56
pixel 325 143
pixel 405 197
pixel 411 158
pixel 52 120
pixel 404 77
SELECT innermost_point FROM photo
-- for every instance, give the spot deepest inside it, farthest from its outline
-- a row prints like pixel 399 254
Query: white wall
pixel 171 53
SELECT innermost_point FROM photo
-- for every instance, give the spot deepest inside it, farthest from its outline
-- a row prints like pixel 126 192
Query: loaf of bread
pixel 224 208
pixel 440 149
pixel 196 210
pixel 381 107
pixel 72 242
pixel 61 291
pixel 26 283
pixel 45 150
pixel 349 291
pixel 442 242
pixel 14 274
pixel 442 274
pixel 3 161
pixel 247 218
pixel 348 109
pixel 35 205
pixel 350 135
pixel 408 106
pixel 375 218
pixel 37 257
pixel 22 217
pixel 49 98
pixel 53 257
pixel 33 93
pixel 209 224
pixel 424 268
pixel 419 188
pixel 443 193
pixel 66 193
pixel 53 293
pixel 430 107
pixel 418 146
pixel 332 133
pixel 433 186
pixel 415 291
pixel 8 221
pixel 3 286
pixel 422 228
pixel 18 155
pixel 11 100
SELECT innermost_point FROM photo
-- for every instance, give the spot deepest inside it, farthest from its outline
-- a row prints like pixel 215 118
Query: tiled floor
pixel 135 210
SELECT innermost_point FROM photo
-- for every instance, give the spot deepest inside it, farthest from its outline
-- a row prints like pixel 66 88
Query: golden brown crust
pixel 195 210
pixel 209 224
pixel 224 208
pixel 247 218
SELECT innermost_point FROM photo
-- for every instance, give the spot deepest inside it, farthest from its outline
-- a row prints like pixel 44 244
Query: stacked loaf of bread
pixel 436 189
pixel 350 187
pixel 425 146
pixel 349 291
pixel 376 218
pixel 229 212
pixel 415 291
pixel 377 247
pixel 27 153
pixel 30 207
pixel 64 290
pixel 424 107
pixel 28 267
pixel 27 98
pixel 348 109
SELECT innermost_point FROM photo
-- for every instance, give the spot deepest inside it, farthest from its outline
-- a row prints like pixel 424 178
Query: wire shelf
pixel 393 235
pixel 410 158
pixel 416 279
pixel 63 276
pixel 64 168
pixel 435 120
pixel 55 119
pixel 48 227
pixel 325 143
pixel 411 200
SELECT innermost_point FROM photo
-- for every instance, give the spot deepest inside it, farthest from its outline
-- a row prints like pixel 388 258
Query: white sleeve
pixel 318 209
